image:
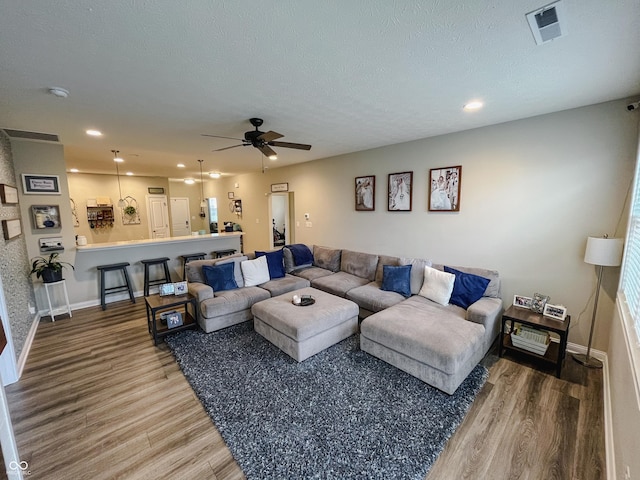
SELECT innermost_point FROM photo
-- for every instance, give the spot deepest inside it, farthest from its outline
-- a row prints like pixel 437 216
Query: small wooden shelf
pixel 556 352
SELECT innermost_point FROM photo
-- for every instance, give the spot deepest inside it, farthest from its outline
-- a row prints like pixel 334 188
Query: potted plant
pixel 49 269
pixel 130 210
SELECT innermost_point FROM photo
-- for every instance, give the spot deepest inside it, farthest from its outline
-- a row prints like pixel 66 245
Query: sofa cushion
pixel 255 271
pixel 232 301
pixel 275 262
pixel 417 272
pixel 437 285
pixel 467 288
pixel 290 264
pixel 370 297
pixel 300 254
pixel 311 273
pixel 338 283
pixel 359 264
pixel 286 284
pixel 220 277
pixel 432 334
pixel 327 258
pixel 397 279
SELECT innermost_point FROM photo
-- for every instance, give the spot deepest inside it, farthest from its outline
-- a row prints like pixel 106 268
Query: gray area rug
pixel 341 414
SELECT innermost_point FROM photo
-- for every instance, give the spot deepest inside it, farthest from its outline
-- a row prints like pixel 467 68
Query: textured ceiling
pixel 343 75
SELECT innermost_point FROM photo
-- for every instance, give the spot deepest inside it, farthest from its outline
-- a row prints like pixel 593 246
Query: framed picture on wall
pixel 46 216
pixel 11 228
pixel 400 191
pixel 8 194
pixel 366 193
pixel 444 191
pixel 34 184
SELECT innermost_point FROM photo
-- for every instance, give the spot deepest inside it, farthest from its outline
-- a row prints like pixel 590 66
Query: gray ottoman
pixel 302 332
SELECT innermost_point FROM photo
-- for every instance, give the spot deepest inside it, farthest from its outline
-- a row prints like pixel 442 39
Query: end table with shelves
pixel 157 304
pixel 556 352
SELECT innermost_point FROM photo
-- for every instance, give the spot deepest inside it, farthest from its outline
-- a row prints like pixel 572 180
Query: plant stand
pixel 61 309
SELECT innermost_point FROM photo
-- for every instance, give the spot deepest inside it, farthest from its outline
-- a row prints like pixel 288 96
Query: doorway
pixel 279 219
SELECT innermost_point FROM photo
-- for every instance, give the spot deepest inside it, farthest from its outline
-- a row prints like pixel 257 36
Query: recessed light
pixel 94 133
pixel 74 170
pixel 118 160
pixel 473 105
pixel 130 173
pixel 214 174
pixel 189 181
pixel 59 92
pixel 180 165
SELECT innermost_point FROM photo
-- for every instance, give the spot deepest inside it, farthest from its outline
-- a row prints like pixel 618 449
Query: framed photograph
pixel 279 187
pixel 46 216
pixel 11 228
pixel 366 193
pixel 8 194
pixel 34 184
pixel 156 190
pixel 174 319
pixel 230 195
pixel 180 288
pixel 166 289
pixel 522 302
pixel 557 312
pixel 400 190
pixel 538 302
pixel 444 191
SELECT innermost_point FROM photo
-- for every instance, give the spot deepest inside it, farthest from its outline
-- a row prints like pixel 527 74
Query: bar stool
pixel 187 258
pixel 118 288
pixel 222 253
pixel 158 281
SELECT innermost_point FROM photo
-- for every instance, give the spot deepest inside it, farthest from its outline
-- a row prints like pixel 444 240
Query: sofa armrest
pixel 200 290
pixel 485 311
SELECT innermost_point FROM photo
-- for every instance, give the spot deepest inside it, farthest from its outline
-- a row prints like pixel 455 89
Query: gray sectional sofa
pixel 439 344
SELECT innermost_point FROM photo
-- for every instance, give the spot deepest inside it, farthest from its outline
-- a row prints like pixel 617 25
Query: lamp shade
pixel 604 251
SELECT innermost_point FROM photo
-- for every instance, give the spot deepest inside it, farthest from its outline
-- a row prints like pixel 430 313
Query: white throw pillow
pixel 437 285
pixel 255 271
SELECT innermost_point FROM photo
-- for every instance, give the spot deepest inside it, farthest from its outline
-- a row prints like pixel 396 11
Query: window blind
pixel 631 264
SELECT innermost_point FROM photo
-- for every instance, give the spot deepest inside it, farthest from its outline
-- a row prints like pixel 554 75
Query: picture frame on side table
pixel 166 289
pixel 8 194
pixel 538 302
pixel 400 192
pixel 366 193
pixel 522 302
pixel 34 184
pixel 444 189
pixel 180 288
pixel 557 312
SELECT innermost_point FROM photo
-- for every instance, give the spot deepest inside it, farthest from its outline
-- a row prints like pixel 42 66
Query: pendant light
pixel 203 202
pixel 117 160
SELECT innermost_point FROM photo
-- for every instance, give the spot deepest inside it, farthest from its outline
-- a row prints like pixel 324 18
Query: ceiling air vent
pixel 47 137
pixel 548 23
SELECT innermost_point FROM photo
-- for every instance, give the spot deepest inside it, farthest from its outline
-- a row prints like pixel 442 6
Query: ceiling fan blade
pixel 218 136
pixel 299 146
pixel 227 148
pixel 268 136
pixel 266 150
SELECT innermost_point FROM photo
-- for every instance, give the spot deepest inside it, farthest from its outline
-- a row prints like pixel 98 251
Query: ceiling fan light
pixel 273 157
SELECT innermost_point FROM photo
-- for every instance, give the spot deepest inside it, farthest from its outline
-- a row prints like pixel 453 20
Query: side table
pixel 555 353
pixel 66 308
pixel 156 304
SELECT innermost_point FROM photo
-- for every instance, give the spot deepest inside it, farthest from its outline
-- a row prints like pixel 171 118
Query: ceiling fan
pixel 263 141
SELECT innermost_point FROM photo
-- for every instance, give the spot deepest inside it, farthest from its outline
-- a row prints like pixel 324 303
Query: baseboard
pixel 24 353
pixel 606 395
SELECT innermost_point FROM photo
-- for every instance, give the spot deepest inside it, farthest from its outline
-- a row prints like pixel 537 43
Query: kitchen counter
pixel 158 241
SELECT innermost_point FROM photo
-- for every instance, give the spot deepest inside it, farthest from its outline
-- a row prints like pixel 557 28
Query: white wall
pixel 532 192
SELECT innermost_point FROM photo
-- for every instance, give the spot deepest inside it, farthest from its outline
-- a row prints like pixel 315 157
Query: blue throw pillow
pixel 397 279
pixel 467 288
pixel 220 277
pixel 275 262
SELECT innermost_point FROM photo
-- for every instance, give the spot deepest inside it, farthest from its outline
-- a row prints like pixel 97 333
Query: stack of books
pixel 530 339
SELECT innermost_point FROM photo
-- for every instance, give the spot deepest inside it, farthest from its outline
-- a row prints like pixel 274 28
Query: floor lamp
pixel 602 252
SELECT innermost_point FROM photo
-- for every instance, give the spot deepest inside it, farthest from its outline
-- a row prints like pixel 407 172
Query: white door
pixel 180 217
pixel 158 216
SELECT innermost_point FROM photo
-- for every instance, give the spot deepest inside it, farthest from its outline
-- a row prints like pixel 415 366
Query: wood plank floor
pixel 97 400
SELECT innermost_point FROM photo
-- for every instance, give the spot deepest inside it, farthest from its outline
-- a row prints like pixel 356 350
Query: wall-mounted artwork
pixel 366 193
pixel 400 191
pixel 445 189
pixel 34 184
pixel 46 216
pixel 11 228
pixel 8 194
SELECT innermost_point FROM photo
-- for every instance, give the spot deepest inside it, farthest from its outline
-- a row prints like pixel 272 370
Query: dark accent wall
pixel 14 260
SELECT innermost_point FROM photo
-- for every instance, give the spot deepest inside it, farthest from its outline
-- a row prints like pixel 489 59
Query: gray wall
pixel 14 259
